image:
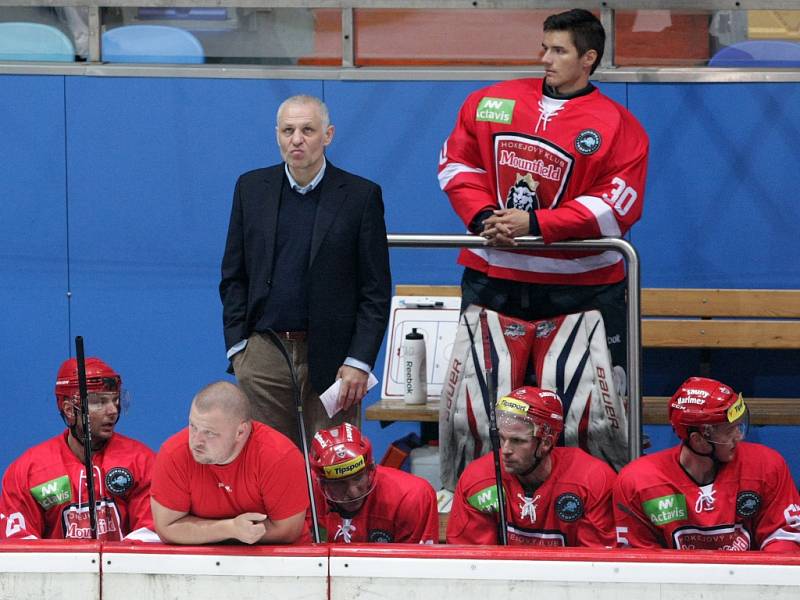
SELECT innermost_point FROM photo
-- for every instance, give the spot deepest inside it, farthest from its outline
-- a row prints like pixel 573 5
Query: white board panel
pixel 436 318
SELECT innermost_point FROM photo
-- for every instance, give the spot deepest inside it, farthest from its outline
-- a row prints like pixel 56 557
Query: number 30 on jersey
pixel 622 197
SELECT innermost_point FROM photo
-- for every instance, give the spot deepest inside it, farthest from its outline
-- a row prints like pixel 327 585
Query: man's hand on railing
pixel 504 225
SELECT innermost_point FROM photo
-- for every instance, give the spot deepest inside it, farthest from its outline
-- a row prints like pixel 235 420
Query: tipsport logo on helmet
pixel 345 469
pixel 510 405
pixel 736 410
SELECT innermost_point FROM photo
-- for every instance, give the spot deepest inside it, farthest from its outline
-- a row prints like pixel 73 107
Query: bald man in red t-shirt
pixel 226 477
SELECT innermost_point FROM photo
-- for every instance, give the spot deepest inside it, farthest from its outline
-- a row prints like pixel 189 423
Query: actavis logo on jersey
pixel 495 110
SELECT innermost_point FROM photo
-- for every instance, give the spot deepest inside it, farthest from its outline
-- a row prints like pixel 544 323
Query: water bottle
pixel 414 371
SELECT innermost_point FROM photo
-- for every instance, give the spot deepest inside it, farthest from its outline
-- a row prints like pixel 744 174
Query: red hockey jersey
pixel 571 508
pixel 45 493
pixel 751 505
pixel 401 509
pixel 579 164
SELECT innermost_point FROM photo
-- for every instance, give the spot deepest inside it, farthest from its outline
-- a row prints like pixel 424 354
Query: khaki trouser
pixel 263 375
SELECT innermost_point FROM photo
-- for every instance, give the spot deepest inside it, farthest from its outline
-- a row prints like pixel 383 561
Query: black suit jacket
pixel 349 278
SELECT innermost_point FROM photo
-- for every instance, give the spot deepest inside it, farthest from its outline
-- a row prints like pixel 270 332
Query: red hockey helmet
pixel 340 452
pixel 339 456
pixel 99 378
pixel 541 408
pixel 700 401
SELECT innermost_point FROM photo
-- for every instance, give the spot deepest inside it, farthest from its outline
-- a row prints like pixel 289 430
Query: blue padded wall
pixel 720 202
pixel 34 319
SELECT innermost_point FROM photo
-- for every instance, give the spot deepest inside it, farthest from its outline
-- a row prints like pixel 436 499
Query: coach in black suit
pixel 306 256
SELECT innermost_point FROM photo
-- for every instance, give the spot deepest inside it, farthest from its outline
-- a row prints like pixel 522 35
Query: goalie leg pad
pixel 571 356
pixel 463 421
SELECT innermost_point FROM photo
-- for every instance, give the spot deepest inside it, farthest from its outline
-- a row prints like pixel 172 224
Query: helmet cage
pixel 725 434
pixel 338 491
pixel 97 401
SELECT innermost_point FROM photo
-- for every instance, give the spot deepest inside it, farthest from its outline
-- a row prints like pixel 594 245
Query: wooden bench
pixel 705 319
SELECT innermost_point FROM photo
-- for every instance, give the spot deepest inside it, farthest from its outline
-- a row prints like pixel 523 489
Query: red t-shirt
pixel 267 477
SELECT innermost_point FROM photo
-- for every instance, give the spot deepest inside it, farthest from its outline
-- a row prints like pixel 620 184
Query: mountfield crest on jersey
pixel 119 480
pixel 588 142
pixel 747 504
pixel 75 520
pixel 522 194
pixel 495 110
pixel 528 169
pixel 725 537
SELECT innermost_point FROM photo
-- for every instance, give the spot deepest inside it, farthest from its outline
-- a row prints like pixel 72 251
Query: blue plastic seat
pixel 151 44
pixel 34 41
pixel 758 53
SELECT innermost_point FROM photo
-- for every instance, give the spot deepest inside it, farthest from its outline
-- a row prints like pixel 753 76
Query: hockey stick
pixel 301 425
pixel 494 437
pixel 87 434
pixel 488 392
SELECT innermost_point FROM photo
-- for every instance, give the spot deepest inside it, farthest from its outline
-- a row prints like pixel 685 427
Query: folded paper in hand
pixel 330 397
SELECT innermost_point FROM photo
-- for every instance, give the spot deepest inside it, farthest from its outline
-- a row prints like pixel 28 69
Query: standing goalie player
pixel 554 158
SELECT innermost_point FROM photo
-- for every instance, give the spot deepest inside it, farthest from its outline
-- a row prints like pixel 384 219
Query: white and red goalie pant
pixel 569 355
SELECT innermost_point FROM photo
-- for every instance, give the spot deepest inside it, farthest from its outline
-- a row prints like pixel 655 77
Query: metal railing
pixel 634 347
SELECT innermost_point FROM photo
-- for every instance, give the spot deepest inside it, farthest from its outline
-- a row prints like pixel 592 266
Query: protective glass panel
pixel 270 36
pixel 400 37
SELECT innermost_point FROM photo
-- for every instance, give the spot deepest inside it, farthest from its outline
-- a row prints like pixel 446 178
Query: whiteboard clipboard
pixel 436 318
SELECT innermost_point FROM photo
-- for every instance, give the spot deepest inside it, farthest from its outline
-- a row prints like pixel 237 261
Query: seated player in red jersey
pixel 359 501
pixel 45 493
pixel 227 477
pixel 554 496
pixel 713 491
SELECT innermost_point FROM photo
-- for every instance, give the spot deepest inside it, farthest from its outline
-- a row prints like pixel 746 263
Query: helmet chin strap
pixel 712 455
pixel 73 430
